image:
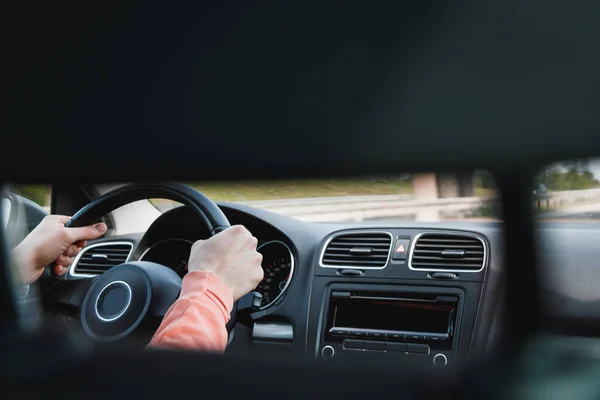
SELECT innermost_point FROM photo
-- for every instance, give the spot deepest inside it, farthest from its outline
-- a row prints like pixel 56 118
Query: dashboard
pixel 278 264
pixel 406 292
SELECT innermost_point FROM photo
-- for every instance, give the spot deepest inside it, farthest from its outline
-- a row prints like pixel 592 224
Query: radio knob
pixel 327 352
pixel 440 360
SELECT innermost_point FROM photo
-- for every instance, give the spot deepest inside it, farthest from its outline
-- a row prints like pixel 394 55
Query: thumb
pixel 87 232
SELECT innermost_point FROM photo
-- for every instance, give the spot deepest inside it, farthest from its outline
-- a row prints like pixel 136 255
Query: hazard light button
pixel 400 249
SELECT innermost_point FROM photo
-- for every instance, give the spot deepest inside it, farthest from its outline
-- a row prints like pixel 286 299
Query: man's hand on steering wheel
pixel 52 242
pixel 231 256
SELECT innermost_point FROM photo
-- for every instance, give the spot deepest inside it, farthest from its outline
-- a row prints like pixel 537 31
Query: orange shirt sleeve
pixel 196 321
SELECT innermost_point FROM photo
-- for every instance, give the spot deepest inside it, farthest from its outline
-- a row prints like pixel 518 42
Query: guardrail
pixel 361 208
pixel 558 199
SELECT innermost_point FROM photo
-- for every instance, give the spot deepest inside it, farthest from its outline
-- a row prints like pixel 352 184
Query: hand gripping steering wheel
pixel 112 305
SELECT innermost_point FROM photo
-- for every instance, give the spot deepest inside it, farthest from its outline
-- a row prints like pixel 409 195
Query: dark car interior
pixel 155 94
pixel 423 295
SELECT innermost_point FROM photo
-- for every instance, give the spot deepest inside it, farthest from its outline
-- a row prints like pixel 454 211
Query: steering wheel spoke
pixel 66 296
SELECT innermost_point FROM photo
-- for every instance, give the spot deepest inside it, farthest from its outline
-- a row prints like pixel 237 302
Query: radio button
pixel 371 345
pixel 354 344
pixel 396 347
pixel 327 352
pixel 417 348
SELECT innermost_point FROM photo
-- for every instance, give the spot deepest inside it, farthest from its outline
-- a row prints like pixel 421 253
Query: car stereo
pixel 412 322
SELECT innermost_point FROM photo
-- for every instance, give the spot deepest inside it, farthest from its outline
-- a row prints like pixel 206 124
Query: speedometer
pixel 278 267
pixel 173 253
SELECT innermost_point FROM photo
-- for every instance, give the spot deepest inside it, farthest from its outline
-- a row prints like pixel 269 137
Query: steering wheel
pixel 113 305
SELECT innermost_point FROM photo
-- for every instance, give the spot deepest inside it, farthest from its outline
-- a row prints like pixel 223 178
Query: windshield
pixel 408 197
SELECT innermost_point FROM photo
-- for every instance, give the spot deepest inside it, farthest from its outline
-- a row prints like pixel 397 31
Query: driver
pixel 221 270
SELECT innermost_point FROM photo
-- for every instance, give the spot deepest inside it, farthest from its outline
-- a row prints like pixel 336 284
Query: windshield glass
pixel 409 197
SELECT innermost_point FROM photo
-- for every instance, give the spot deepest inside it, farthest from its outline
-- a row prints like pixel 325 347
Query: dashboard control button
pixel 415 337
pixel 417 348
pixel 350 272
pixel 337 331
pixel 327 352
pixel 396 347
pixel 250 302
pixel 395 336
pixel 358 333
pixel 354 344
pixel 400 249
pixel 378 335
pixel 372 345
pixel 440 360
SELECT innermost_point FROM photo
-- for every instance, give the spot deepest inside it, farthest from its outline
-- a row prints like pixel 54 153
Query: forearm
pixel 197 320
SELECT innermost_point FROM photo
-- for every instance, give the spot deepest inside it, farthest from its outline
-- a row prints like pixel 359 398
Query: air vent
pixel 357 250
pixel 448 252
pixel 98 258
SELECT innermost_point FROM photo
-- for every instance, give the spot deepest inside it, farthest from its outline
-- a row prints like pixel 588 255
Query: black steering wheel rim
pixel 213 217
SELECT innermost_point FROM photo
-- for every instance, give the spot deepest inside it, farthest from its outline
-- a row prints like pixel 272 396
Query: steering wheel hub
pixel 113 301
pixel 116 302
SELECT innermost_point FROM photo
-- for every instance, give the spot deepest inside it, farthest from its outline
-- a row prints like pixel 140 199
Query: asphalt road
pixel 570 268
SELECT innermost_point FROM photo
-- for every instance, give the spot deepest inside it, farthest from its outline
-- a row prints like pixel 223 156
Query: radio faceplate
pixel 400 321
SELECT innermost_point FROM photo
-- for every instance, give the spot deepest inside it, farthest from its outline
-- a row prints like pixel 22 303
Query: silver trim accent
pixel 351 232
pixel 287 284
pixel 449 233
pixel 124 308
pixel 328 347
pixel 164 241
pixel 443 356
pixel 273 331
pixel 91 246
pixel 338 331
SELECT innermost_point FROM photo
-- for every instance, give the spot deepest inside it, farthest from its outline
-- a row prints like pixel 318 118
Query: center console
pixel 394 313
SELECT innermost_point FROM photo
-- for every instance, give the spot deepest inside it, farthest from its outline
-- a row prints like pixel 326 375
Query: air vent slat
pixel 365 249
pixel 345 251
pixel 450 246
pixel 360 239
pixel 445 241
pixel 352 256
pixel 468 252
pixel 99 258
pixel 462 259
pixel 352 262
pixel 448 252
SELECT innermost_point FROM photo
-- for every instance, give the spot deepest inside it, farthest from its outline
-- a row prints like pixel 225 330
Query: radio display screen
pixel 392 315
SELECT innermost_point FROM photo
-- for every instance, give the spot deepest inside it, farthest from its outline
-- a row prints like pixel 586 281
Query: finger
pixel 81 243
pixel 64 260
pixel 87 232
pixel 196 244
pixel 71 251
pixel 238 230
pixel 59 270
pixel 253 242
